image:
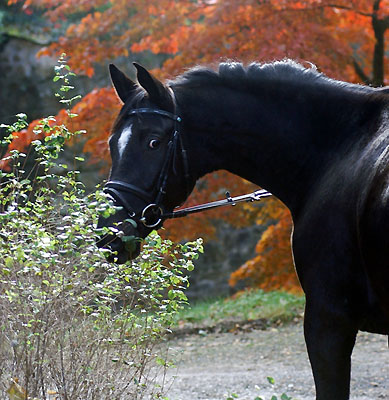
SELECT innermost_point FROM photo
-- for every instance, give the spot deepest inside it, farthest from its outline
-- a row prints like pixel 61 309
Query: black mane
pixel 237 75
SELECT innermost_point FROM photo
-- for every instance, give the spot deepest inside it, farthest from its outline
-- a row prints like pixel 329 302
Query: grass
pixel 249 305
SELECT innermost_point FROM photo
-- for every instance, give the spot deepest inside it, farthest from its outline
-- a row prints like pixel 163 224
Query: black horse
pixel 319 145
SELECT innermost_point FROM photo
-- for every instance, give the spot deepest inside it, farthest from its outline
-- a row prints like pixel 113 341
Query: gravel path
pixel 211 366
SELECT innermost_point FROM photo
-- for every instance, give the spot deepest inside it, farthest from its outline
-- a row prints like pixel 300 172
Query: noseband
pixel 152 214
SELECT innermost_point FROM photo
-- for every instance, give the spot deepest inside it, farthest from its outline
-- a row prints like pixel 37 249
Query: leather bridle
pixel 152 214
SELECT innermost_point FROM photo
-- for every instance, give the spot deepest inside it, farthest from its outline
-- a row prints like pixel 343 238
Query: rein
pixel 153 214
pixel 228 201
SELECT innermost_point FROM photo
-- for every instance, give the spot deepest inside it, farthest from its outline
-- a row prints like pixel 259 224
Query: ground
pixel 211 366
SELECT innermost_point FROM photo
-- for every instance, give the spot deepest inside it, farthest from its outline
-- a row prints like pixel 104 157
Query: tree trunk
pixel 379 27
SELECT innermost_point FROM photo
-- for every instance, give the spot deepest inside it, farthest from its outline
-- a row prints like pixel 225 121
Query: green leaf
pixel 9 261
pixel 270 380
pixel 131 221
pixel 160 361
pixel 190 266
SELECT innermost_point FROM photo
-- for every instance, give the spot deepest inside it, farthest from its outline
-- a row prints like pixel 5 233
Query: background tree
pixel 344 38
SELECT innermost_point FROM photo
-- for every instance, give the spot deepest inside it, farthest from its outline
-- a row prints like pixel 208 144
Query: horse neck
pixel 281 139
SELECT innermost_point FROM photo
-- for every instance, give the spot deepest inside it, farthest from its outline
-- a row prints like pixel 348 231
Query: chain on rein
pixel 153 215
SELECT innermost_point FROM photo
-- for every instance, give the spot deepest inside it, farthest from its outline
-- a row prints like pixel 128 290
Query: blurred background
pixel 245 246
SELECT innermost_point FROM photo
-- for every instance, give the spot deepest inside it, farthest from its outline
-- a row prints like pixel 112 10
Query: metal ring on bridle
pixel 154 209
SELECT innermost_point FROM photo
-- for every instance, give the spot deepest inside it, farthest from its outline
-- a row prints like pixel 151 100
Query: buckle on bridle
pixel 151 216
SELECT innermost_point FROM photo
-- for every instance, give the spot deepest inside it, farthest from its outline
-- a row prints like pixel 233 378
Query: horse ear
pixel 156 90
pixel 123 85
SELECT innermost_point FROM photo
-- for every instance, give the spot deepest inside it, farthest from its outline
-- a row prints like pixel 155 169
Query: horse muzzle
pixel 123 244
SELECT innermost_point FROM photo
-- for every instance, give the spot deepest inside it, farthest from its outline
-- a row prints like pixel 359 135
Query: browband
pixel 155 111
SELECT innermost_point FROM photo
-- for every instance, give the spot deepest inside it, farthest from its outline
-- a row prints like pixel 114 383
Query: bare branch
pixel 358 69
pixel 330 5
pixel 347 8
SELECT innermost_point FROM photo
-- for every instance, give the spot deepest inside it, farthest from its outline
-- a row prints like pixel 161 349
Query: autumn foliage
pixel 272 250
pixel 344 38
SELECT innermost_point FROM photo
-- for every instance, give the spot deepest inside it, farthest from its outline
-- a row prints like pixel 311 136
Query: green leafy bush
pixel 73 326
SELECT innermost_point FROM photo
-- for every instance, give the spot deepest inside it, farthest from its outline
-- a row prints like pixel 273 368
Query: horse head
pixel 149 174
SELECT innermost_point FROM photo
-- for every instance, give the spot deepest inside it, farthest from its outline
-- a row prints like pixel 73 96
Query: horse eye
pixel 154 143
